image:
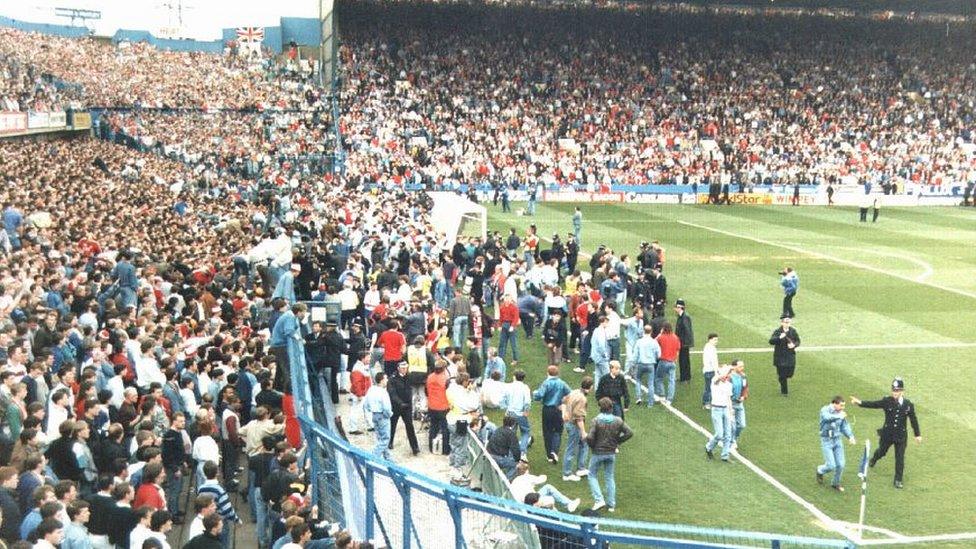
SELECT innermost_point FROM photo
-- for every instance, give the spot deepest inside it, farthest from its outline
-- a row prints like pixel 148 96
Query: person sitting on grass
pixel 526 483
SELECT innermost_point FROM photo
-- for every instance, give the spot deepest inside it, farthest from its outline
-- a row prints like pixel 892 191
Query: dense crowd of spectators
pixel 137 74
pixel 241 143
pixel 589 97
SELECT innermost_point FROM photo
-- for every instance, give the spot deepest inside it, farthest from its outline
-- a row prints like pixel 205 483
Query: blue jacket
pixel 790 283
pixel 125 275
pixel 551 392
pixel 287 327
pixel 599 349
pixel 833 425
pixel 647 351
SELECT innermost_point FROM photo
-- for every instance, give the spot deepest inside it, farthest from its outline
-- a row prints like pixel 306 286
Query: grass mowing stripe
pixel 818 348
pixel 829 258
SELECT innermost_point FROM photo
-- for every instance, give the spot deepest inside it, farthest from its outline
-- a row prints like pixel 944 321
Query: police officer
pixel 898 412
pixel 785 340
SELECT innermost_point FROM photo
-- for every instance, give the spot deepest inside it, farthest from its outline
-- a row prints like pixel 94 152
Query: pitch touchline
pixel 831 258
pixel 835 526
pixel 815 348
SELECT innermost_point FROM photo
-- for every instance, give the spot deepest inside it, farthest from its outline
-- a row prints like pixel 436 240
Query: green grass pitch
pixel 906 280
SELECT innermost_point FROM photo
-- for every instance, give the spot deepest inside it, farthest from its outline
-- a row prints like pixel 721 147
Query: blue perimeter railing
pixel 380 500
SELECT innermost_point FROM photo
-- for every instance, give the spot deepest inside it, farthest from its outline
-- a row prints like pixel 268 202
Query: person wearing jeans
pixel 646 355
pixel 503 447
pixel 670 345
pixel 607 433
pixel 574 416
pixel 709 367
pixel 721 414
pixel 516 403
pixel 525 483
pixel 600 351
pixel 378 404
pixel 508 320
pixel 833 428
pixel 740 392
pixel 437 407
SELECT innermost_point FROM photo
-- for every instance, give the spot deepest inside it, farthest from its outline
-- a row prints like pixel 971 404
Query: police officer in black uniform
pixel 898 412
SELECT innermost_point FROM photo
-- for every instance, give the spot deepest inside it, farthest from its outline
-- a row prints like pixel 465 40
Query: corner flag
pixel 863 473
pixel 863 470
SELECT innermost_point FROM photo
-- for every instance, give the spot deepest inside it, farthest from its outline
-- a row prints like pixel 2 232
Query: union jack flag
pixel 250 34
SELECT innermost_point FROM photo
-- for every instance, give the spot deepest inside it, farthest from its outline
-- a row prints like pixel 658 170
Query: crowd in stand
pixel 526 95
pixel 135 363
pixel 244 144
pixel 139 75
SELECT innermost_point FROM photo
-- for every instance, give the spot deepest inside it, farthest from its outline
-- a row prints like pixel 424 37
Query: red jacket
pixel 149 494
pixel 508 312
pixel 360 383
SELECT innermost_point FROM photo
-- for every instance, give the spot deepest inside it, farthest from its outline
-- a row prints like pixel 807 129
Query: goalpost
pixel 454 215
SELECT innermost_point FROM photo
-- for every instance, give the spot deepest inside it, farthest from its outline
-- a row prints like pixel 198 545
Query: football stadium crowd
pixel 539 95
pixel 154 281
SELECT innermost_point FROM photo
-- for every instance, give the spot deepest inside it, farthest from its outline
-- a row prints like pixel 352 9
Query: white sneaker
pixel 735 446
pixel 583 472
pixel 542 479
pixel 571 478
pixel 573 505
pixel 599 505
pixel 579 370
pixel 612 509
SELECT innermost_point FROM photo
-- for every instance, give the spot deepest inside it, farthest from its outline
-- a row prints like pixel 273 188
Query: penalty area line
pixel 821 255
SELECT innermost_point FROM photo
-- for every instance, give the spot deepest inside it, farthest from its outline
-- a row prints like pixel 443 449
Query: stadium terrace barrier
pixel 403 509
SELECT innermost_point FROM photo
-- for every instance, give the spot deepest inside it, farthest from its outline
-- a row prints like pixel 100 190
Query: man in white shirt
pixel 147 369
pixel 709 367
pixel 721 408
pixel 205 505
pixel 525 483
pixel 57 414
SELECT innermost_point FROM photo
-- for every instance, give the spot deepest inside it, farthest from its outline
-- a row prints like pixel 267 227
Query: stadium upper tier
pixel 461 92
pixel 47 72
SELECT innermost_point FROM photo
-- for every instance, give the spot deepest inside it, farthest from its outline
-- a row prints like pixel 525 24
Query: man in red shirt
pixel 150 492
pixel 670 345
pixel 393 344
pixel 508 319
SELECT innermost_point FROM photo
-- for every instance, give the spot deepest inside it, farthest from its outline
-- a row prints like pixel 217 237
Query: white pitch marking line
pixel 815 348
pixel 927 269
pixel 835 526
pixel 964 536
pixel 830 258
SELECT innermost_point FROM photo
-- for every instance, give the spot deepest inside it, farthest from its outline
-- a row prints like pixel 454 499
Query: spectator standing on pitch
pixel 721 414
pixel 607 433
pixel 790 283
pixel 600 350
pixel 833 428
pixel 709 367
pixel 899 411
pixel 508 321
pixel 578 226
pixel 647 352
pixel 785 340
pixel 574 416
pixel 670 345
pixel 686 333
pixel 740 392
pixel 516 403
pixel 551 392
pixel 614 386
